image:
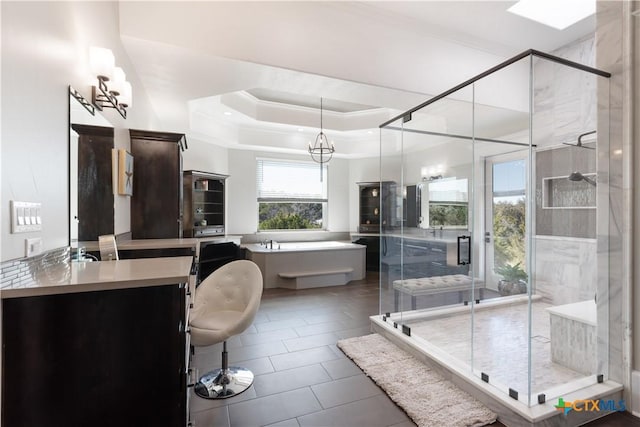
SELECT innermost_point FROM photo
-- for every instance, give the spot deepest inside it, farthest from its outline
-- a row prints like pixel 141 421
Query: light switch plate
pixel 33 246
pixel 26 217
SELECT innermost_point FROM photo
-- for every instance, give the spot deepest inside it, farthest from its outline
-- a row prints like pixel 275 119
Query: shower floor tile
pixel 500 345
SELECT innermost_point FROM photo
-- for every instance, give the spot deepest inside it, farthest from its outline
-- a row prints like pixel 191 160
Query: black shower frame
pixel 406 116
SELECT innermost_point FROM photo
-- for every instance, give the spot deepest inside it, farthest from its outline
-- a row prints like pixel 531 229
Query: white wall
pixel 242 207
pixel 205 157
pixel 44 49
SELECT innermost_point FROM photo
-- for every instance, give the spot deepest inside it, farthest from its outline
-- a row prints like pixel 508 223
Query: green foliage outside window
pixel 289 216
pixel 448 214
pixel 508 233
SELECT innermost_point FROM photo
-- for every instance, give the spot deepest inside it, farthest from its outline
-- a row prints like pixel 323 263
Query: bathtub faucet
pixel 266 243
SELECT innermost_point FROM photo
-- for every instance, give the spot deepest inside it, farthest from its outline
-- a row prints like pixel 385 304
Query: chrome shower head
pixel 577 176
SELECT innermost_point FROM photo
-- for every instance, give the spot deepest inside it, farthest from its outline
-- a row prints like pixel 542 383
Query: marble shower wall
pixel 565 269
pixel 614 48
pixel 565 98
pixel 565 106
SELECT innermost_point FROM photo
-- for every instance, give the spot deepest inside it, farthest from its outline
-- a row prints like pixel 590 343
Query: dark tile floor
pixel 302 378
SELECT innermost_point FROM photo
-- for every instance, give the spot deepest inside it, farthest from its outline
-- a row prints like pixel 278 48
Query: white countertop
pixel 428 238
pixel 103 275
pixel 136 244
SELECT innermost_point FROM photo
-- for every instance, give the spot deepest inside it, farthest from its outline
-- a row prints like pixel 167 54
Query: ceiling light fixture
pixel 321 151
pixel 558 14
pixel 117 94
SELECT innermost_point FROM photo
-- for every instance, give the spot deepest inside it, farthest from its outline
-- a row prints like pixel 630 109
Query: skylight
pixel 558 14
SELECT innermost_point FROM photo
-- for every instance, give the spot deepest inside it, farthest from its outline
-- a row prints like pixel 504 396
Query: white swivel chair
pixel 225 304
pixel 108 248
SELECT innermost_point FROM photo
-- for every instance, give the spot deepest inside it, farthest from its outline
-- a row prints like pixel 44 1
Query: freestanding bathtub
pixel 303 265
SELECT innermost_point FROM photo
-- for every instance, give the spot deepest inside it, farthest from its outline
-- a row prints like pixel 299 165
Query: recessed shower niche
pixel 537 221
pixel 561 192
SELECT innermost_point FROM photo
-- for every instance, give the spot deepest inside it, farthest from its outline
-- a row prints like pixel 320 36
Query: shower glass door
pixel 430 249
pixel 501 158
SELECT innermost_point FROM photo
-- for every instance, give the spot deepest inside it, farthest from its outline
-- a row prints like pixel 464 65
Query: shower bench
pixel 435 285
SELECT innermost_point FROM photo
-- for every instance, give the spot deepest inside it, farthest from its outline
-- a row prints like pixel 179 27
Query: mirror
pixel 91 200
pixel 443 203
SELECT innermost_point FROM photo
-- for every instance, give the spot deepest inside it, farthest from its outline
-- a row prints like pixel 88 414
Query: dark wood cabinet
pixel 204 203
pixel 95 192
pixel 156 203
pixel 377 200
pixel 372 252
pixel 103 358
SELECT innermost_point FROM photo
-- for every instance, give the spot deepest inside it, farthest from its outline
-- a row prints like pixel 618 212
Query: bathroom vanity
pixel 98 343
pixel 411 257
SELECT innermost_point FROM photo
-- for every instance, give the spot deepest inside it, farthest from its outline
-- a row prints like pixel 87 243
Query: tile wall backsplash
pixel 22 271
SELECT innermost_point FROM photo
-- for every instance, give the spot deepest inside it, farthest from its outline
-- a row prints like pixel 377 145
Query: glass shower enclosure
pixel 494 259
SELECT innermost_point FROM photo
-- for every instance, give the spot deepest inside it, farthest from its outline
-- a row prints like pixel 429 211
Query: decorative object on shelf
pixel 118 93
pixel 374 192
pixel 321 151
pixel 125 173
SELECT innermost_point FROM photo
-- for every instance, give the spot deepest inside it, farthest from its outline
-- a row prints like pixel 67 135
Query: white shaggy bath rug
pixel 425 395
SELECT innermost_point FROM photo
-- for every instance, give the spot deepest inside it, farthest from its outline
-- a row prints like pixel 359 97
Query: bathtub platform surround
pixel 304 265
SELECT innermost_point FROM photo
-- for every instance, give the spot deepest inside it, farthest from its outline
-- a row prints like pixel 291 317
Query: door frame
pixel 490 276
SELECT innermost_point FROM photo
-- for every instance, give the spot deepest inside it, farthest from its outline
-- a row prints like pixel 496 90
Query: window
pixel 448 203
pixel 291 195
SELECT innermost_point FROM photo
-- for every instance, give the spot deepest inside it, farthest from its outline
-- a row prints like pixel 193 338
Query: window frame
pixel 324 199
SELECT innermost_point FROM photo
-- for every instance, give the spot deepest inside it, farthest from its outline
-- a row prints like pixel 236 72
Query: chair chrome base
pixel 223 383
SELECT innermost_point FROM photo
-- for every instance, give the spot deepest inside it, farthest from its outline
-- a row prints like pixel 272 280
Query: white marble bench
pixel 573 335
pixel 435 285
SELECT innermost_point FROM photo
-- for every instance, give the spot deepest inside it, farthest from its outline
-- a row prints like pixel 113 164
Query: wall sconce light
pixel 117 92
pixel 85 103
pixel 431 173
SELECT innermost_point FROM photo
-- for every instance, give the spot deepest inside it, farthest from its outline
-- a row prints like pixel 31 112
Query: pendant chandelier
pixel 321 151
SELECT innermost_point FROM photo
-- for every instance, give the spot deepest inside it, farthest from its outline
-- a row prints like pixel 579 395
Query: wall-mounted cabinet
pixel 204 203
pixel 156 203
